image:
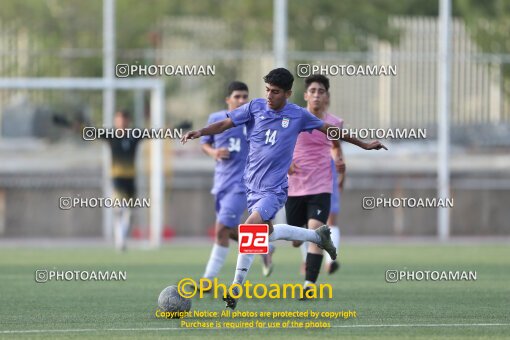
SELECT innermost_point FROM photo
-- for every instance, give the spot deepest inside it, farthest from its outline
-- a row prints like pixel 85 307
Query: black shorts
pixel 300 209
pixel 124 187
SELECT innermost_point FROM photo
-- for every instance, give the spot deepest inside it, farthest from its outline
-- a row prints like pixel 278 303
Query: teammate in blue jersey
pixel 229 149
pixel 273 125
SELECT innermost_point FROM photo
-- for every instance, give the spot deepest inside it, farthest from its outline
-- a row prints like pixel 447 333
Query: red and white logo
pixel 253 238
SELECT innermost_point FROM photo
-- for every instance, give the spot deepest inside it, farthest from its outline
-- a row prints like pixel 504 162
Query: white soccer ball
pixel 170 300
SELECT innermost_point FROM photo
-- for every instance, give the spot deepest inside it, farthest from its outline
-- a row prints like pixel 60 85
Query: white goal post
pixel 157 90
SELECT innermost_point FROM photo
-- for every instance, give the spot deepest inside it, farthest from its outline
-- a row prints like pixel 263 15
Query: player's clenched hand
pixel 375 145
pixel 293 168
pixel 341 181
pixel 221 153
pixel 340 165
pixel 190 135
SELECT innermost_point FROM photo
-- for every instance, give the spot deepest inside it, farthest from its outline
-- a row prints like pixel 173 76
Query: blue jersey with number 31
pixel 271 136
pixel 228 174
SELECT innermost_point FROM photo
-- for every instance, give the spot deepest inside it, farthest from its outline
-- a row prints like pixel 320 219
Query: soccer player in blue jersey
pixel 273 125
pixel 229 149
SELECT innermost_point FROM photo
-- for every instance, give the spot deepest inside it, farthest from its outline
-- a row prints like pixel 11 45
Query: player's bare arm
pixel 336 153
pixel 216 153
pixel 339 165
pixel 212 129
pixel 373 145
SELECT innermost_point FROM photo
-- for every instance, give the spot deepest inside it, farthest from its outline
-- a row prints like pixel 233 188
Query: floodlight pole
pixel 443 108
pixel 108 105
pixel 157 180
pixel 280 32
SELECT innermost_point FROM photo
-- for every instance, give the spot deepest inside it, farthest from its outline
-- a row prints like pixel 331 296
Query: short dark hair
pixel 280 77
pixel 236 86
pixel 317 78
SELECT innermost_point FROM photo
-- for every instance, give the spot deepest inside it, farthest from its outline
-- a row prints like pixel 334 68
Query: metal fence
pixel 479 90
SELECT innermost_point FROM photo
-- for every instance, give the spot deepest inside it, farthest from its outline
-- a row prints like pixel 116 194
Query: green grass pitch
pixel 418 309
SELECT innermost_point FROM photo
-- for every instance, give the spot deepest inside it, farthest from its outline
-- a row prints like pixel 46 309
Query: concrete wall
pixel 29 205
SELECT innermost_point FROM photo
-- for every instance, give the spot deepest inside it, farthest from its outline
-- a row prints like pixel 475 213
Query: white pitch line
pixel 426 325
pixel 187 329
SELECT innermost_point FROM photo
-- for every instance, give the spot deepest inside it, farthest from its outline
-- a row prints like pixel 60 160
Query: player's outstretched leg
pixel 320 236
pixel 219 252
pixel 304 251
pixel 313 266
pixel 267 261
pixel 230 302
pixel 314 258
pixel 326 243
pixel 244 262
pixel 216 260
pixel 333 265
pixel 121 228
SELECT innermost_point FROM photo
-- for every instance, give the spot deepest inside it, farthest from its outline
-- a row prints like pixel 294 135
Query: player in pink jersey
pixel 331 266
pixel 311 174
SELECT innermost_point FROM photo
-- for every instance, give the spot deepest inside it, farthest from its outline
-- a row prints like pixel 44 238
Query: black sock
pixel 313 266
